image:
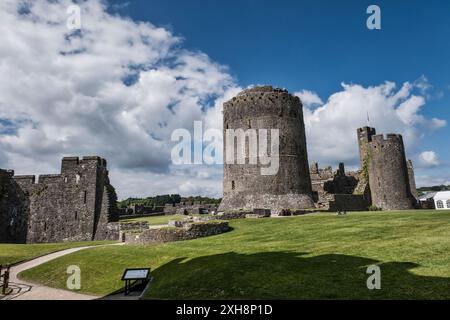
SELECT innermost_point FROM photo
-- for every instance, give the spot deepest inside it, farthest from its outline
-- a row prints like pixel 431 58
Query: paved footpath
pixel 24 290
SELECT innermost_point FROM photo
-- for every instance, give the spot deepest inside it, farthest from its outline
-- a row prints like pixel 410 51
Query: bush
pixel 374 208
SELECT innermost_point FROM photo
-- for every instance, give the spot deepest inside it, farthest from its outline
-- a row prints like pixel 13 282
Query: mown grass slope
pixel 319 256
pixel 13 253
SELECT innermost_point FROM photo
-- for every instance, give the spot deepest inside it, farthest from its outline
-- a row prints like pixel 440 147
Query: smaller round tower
pixel 388 173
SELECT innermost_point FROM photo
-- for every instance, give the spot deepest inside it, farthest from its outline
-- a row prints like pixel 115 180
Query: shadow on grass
pixel 289 275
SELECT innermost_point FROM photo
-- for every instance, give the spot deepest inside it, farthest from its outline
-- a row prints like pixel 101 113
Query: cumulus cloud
pixel 309 98
pixel 116 88
pixel 331 128
pixel 426 180
pixel 428 159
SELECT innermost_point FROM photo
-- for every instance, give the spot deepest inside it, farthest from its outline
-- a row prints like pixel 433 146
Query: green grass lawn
pixel 13 253
pixel 318 256
pixel 156 220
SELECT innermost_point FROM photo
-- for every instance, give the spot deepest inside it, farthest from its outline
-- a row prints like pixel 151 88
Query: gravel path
pixel 24 290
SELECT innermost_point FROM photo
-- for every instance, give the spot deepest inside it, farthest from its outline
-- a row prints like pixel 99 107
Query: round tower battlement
pixel 380 139
pixel 259 89
pixel 244 186
pixel 260 102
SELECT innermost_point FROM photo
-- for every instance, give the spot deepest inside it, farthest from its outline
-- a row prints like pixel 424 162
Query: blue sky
pixel 316 45
pixel 311 44
pixel 138 70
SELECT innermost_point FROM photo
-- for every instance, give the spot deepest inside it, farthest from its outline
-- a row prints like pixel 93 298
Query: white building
pixel 442 200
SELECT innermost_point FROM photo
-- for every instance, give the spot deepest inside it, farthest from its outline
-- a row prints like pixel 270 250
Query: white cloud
pixel 309 98
pixel 436 123
pixel 117 88
pixel 189 180
pixel 424 180
pixel 422 84
pixel 331 128
pixel 428 159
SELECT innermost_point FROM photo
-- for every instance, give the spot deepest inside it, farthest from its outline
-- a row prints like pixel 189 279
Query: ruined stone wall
pixel 412 179
pixel 388 173
pixel 229 215
pixel 189 208
pixel 111 232
pixel 348 202
pixel 107 210
pixel 63 206
pixel 333 189
pixel 344 183
pixel 364 135
pixel 168 234
pixel 135 225
pixel 75 205
pixel 14 210
pixel 244 185
pixel 327 181
pixel 319 177
pixel 140 209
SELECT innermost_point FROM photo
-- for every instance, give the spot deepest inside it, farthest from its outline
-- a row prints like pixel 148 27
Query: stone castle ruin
pixel 385 179
pixel 75 205
pixel 193 207
pixel 80 204
pixel 337 190
pixel 244 186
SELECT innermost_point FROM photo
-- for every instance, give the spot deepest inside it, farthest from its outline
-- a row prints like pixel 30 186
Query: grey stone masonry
pixel 412 179
pixel 388 173
pixel 182 230
pixel 75 205
pixel 244 186
pixel 14 209
pixel 385 171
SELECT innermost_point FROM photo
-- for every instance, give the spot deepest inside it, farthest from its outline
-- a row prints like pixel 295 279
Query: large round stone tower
pixel 256 112
pixel 388 173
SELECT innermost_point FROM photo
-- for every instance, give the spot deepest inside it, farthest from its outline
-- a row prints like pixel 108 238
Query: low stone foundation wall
pixel 294 212
pixel 137 225
pixel 188 231
pixel 232 215
pixel 112 231
pixel 134 216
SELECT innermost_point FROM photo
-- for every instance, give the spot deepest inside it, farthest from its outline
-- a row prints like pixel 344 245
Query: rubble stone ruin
pixel 337 190
pixel 75 205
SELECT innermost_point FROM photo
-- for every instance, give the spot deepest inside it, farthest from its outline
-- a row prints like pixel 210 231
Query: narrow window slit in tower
pixel 85 197
pixel 232 185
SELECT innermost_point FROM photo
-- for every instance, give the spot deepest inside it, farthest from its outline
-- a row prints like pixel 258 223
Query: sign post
pixel 5 277
pixel 132 275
